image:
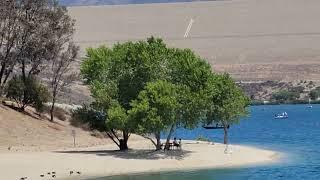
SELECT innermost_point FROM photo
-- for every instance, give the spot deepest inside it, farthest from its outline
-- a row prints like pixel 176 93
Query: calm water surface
pixel 298 137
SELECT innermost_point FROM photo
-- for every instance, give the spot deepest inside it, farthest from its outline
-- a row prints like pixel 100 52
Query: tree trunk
pixel 52 110
pixel 225 129
pixel 124 142
pixel 167 146
pixel 54 93
pixel 3 66
pixel 158 145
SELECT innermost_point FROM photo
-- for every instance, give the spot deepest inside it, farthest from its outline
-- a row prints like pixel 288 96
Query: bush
pixel 285 96
pixel 202 138
pixel 28 92
pixel 87 115
pixel 58 112
pixel 314 94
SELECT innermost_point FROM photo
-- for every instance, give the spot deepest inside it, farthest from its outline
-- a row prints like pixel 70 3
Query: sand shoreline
pixel 96 162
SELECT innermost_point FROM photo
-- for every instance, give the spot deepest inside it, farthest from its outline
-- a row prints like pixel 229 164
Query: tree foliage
pixel 36 35
pixel 227 102
pixel 155 109
pixel 146 88
pixel 125 69
pixel 285 96
pixel 26 94
pixel 315 93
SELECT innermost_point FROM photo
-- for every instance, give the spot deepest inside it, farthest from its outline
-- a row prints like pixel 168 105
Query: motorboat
pixel 283 115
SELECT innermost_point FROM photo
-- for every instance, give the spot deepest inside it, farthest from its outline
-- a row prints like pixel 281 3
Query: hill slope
pixel 252 40
pixel 22 132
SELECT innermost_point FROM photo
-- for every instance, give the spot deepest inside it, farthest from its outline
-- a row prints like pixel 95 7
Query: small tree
pixel 25 94
pixel 226 103
pixel 61 74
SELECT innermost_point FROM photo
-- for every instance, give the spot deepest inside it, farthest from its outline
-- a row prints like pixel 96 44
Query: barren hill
pixel 252 40
pixel 28 132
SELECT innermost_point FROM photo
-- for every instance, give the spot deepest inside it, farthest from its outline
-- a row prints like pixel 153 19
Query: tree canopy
pixel 145 87
pixel 226 104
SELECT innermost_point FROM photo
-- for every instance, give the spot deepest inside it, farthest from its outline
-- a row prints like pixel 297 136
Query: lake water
pixel 298 137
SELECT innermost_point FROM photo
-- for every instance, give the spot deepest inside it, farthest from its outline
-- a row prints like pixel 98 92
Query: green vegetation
pixel 147 88
pixel 155 109
pixel 27 92
pixel 35 38
pixel 315 93
pixel 284 96
pixel 227 103
pixel 202 138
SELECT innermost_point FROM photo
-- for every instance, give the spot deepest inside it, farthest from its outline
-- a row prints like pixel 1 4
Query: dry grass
pixel 30 132
pixel 253 40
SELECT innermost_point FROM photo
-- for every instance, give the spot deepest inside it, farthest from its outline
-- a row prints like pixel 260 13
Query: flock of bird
pixel 53 174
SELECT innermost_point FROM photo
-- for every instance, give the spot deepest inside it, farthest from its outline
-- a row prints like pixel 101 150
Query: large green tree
pixel 118 78
pixel 226 102
pixel 117 75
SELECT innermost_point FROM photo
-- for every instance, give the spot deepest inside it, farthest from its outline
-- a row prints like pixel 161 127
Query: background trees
pixel 35 35
pixel 285 96
pixel 315 93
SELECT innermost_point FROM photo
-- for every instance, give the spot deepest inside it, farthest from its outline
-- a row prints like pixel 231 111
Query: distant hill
pixel 115 2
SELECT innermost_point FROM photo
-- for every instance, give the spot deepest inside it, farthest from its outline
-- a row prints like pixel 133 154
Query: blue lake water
pixel 298 137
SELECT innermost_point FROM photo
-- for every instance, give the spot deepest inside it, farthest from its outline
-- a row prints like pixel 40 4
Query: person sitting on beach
pixel 175 143
pixel 180 143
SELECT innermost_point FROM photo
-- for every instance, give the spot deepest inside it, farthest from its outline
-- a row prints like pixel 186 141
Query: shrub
pixel 87 115
pixel 202 138
pixel 58 112
pixel 285 96
pixel 314 94
pixel 28 92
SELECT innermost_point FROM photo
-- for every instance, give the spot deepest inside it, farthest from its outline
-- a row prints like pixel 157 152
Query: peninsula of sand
pixel 35 148
pixel 100 161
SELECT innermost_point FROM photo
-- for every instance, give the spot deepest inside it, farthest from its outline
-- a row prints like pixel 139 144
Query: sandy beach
pixel 104 160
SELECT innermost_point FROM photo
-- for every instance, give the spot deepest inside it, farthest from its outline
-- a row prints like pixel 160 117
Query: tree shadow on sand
pixel 137 154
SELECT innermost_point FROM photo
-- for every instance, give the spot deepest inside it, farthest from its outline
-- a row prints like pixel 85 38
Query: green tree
pixel 25 94
pixel 118 75
pixel 125 70
pixel 190 73
pixel 226 102
pixel 155 109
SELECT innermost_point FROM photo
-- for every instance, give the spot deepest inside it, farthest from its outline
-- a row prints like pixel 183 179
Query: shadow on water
pixel 136 154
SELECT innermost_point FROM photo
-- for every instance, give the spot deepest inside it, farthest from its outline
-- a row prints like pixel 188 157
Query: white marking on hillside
pixel 186 34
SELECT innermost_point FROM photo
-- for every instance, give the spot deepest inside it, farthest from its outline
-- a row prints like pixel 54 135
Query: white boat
pixel 309 106
pixel 283 115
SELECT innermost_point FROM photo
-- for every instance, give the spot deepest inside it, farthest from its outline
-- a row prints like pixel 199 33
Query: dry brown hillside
pixel 252 40
pixel 28 132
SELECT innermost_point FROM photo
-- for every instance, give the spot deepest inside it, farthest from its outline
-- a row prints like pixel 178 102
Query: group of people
pixel 176 143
